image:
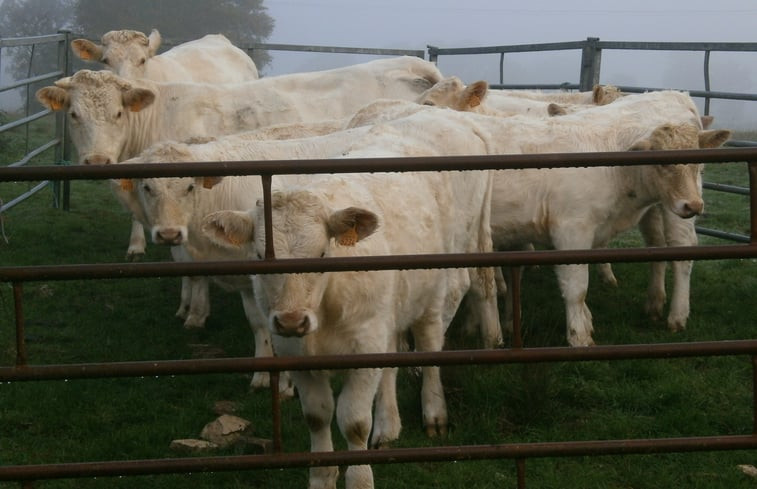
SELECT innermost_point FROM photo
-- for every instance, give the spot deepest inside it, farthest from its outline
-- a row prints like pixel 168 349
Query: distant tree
pixel 21 18
pixel 244 22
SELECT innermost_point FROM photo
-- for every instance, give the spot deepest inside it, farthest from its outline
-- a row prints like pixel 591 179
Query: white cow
pixel 113 119
pixel 132 54
pixel 362 312
pixel 658 226
pixel 551 207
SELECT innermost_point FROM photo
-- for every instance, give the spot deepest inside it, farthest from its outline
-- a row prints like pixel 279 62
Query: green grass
pixel 136 418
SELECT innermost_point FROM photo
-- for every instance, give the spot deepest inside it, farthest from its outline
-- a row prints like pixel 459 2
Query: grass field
pixel 136 418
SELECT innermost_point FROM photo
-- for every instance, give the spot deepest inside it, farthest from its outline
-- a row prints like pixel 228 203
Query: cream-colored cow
pixel 132 54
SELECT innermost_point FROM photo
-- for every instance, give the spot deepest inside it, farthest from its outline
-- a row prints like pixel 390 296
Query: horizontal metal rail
pixel 373 165
pixel 10 42
pixel 383 456
pixel 380 360
pixel 17 200
pixel 28 81
pixel 372 263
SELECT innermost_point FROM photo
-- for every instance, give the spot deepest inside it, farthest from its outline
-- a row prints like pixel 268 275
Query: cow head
pixel 679 187
pixel 99 107
pixel 169 205
pixel 303 227
pixel 452 93
pixel 126 52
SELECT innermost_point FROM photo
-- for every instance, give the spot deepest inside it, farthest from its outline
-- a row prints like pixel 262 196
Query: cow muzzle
pixel 690 208
pixel 168 236
pixel 289 324
pixel 97 159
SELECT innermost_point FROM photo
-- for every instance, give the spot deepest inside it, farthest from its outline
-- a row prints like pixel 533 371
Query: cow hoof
pixel 132 256
pixel 193 322
pixel 676 325
pixel 436 430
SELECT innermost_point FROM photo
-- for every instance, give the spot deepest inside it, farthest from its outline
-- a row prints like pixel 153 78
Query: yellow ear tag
pixel 127 185
pixel 348 238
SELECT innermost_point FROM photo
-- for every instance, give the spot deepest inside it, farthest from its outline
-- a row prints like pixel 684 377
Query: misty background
pixel 415 24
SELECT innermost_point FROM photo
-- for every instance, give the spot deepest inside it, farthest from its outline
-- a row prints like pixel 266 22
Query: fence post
pixel 433 53
pixel 591 58
pixel 63 153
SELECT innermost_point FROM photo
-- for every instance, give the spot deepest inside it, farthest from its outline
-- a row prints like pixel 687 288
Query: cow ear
pixel 54 98
pixel 87 50
pixel 229 229
pixel 474 93
pixel 554 109
pixel 153 42
pixel 136 99
pixel 209 182
pixel 714 138
pixel 707 121
pixel 350 225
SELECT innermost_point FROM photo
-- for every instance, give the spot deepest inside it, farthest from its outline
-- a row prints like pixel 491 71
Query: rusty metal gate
pixel 521 452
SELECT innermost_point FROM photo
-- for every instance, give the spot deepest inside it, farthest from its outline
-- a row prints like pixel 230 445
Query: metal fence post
pixel 591 57
pixel 63 153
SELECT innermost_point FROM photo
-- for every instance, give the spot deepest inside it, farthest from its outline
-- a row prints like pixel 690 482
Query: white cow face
pixel 680 186
pixel 126 52
pixel 99 107
pixel 168 205
pixel 303 227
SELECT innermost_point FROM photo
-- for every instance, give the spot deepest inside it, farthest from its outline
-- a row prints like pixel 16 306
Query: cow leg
pixel 263 348
pixel 387 423
pixel 483 294
pixel 194 307
pixel 317 401
pixel 652 230
pixel 574 283
pixel 137 241
pixel 680 232
pixel 429 336
pixel 509 298
pixel 606 274
pixel 353 415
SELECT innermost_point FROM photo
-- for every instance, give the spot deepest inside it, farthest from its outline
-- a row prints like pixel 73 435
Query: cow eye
pixel 142 61
pixel 146 188
pixel 429 103
pixel 74 115
pixel 323 254
pixel 118 115
pixel 104 61
pixel 260 257
pixel 190 187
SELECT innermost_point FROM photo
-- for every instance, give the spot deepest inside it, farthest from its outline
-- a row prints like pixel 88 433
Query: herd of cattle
pixel 203 101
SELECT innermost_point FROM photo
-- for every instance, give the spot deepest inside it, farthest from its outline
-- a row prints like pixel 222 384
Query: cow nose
pixel 291 324
pixel 169 236
pixel 693 208
pixel 97 159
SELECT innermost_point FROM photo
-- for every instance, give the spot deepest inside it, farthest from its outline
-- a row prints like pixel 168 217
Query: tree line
pixel 244 22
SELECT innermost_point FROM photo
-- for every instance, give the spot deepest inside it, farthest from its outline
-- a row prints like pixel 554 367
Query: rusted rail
pixel 519 452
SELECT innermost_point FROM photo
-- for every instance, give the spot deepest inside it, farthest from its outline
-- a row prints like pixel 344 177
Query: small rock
pixel 225 430
pixel 750 470
pixel 190 445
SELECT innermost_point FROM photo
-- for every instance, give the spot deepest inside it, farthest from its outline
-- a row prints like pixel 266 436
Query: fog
pixel 415 24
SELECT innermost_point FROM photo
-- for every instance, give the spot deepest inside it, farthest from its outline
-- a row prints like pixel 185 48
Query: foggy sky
pixel 414 24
